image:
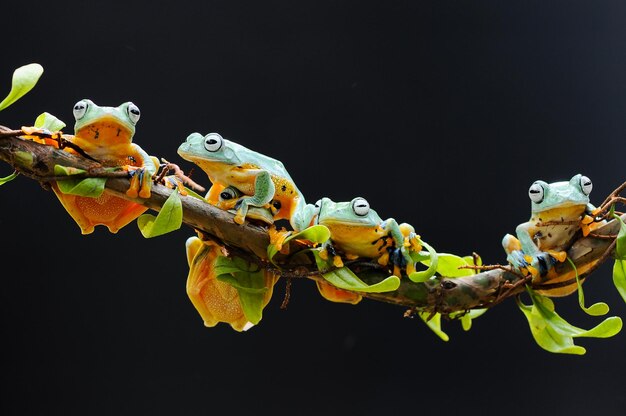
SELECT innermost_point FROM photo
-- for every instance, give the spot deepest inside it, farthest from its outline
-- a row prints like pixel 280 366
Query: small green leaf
pixel 619 277
pixel 466 318
pixel 249 280
pixel 449 265
pixel 169 219
pixel 433 263
pixel 344 278
pixel 49 122
pixel 555 334
pixel 316 234
pixel 597 309
pixel 90 187
pixel 619 268
pixel 24 79
pixel 194 194
pixel 8 178
pixel 23 158
pixel 434 324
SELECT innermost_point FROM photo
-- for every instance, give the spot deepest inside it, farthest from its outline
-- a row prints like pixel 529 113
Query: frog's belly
pixel 370 243
pixel 104 209
pixel 554 237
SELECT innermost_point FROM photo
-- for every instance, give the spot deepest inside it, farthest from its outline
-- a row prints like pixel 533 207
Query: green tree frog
pixel 106 133
pixel 358 231
pixel 559 210
pixel 217 301
pixel 261 179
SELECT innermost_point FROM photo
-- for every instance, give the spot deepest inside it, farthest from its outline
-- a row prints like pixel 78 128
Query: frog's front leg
pixel 514 253
pixel 141 178
pixel 528 256
pixel 304 215
pixel 264 190
pixel 327 249
pixel 400 255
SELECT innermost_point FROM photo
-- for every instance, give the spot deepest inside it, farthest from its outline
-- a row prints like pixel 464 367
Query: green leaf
pixel 449 265
pixel 555 334
pixel 49 122
pixel 433 263
pixel 597 309
pixel 169 219
pixel 248 279
pixel 466 318
pixel 194 194
pixel 619 268
pixel 434 324
pixel 316 234
pixel 8 178
pixel 24 79
pixel 344 278
pixel 90 187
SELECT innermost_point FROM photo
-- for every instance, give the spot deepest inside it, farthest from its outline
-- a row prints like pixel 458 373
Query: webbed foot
pixel 140 183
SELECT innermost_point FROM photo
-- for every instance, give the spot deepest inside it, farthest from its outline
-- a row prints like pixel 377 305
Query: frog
pixel 358 231
pixel 214 300
pixel 559 210
pixel 262 179
pixel 105 134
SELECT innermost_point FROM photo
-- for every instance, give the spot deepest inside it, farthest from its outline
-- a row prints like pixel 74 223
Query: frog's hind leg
pixel 69 203
pixel 334 294
pixel 128 215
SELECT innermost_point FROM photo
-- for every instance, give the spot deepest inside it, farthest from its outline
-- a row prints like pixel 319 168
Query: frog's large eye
pixel 536 192
pixel 80 108
pixel 228 194
pixel 133 113
pixel 360 207
pixel 213 142
pixel 586 185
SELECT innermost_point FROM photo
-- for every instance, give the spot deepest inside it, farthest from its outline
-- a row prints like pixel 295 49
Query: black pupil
pixel 134 111
pixel 534 191
pixel 212 141
pixel 79 107
pixel 226 195
pixel 276 204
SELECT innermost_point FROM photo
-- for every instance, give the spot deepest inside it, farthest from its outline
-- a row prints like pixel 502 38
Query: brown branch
pixel 439 294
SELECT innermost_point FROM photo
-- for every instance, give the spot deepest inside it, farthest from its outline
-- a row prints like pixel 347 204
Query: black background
pixel 441 114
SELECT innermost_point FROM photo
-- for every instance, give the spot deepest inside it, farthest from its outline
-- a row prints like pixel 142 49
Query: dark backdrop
pixel 441 114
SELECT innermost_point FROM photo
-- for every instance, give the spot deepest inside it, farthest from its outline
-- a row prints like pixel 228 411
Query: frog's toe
pixel 517 259
pixel 135 178
pixel 543 262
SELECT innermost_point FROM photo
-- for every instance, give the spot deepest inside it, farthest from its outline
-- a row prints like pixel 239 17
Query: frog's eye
pixel 213 142
pixel 80 108
pixel 536 192
pixel 360 207
pixel 133 113
pixel 228 194
pixel 586 185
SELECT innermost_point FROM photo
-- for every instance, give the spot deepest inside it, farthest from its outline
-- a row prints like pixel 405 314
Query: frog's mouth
pixel 110 129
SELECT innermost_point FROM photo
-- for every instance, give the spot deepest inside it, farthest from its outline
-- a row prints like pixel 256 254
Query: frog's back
pixel 247 156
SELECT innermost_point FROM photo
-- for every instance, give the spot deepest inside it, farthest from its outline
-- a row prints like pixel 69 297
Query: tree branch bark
pixel 440 294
